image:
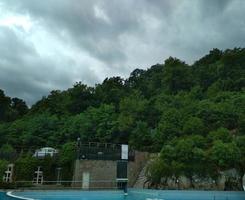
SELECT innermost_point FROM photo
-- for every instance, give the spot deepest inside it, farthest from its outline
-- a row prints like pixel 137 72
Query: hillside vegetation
pixel 193 114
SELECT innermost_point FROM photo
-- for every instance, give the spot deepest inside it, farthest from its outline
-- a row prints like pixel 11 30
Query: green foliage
pixel 189 152
pixel 184 156
pixel 221 134
pixel 3 167
pixel 19 106
pixel 49 167
pixel 224 155
pixel 131 110
pixel 95 124
pixel 177 75
pixel 7 152
pixel 25 167
pixel 158 169
pixel 11 109
pixel 80 98
pixel 169 127
pixel 240 142
pixel 194 125
pixel 111 91
pixel 67 153
pixel 67 156
pixel 38 130
pixel 142 137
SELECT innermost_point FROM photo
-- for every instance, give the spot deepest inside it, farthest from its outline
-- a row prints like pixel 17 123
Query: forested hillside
pixel 185 111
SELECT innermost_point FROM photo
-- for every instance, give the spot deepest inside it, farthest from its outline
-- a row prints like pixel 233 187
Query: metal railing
pixel 102 151
pixel 68 184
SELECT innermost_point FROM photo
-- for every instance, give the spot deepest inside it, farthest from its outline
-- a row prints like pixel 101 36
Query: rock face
pixel 141 180
pixel 227 181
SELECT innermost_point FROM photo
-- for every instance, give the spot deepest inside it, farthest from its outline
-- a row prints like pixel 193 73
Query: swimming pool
pixel 133 194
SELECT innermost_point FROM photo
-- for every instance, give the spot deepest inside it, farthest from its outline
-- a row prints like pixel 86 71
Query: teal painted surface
pixel 3 196
pixel 184 195
pixel 72 195
pixel 132 195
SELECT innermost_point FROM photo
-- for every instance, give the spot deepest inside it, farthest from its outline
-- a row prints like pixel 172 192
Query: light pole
pixel 78 147
pixel 58 181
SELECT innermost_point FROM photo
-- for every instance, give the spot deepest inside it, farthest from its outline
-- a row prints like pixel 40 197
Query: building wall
pixel 103 172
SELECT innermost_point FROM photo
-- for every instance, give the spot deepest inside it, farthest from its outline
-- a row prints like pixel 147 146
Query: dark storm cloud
pixel 26 74
pixel 111 37
pixel 214 7
pixel 78 20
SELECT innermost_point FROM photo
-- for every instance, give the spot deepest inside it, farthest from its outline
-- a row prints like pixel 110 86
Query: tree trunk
pixel 191 182
pixel 241 181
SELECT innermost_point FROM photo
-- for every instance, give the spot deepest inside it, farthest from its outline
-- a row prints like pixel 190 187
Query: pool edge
pixel 17 197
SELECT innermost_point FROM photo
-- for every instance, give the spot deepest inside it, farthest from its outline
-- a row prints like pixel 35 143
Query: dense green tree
pixel 206 69
pixel 185 156
pixel 169 127
pixel 240 163
pixel 11 109
pixel 224 155
pixel 67 156
pixel 176 75
pixel 168 155
pixel 190 153
pixel 25 167
pixel 132 109
pixel 95 124
pixel 142 137
pixel 111 91
pixel 19 106
pixel 221 134
pixel 194 125
pixel 158 170
pixel 41 130
pixel 4 107
pixel 81 97
pixel 7 152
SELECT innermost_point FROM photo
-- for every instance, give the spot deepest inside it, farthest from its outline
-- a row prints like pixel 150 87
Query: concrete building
pixel 107 166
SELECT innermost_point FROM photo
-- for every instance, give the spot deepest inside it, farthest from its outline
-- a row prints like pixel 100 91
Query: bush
pixel 3 167
pixel 7 185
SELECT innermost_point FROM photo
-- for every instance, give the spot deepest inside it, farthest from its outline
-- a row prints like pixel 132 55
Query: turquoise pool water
pixel 133 194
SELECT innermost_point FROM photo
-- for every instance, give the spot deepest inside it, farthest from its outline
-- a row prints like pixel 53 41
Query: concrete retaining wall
pixel 103 172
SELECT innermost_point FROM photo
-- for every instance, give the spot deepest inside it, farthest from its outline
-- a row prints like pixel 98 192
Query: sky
pixel 51 44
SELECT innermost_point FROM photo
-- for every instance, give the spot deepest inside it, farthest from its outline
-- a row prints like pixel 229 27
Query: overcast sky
pixel 51 44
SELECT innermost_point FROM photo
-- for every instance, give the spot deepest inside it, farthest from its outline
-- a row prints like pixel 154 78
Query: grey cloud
pixel 122 35
pixel 9 43
pixel 214 7
pixel 27 75
pixel 85 30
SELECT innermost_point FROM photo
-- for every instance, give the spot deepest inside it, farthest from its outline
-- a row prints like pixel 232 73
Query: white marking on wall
pixel 86 179
pixel 124 154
